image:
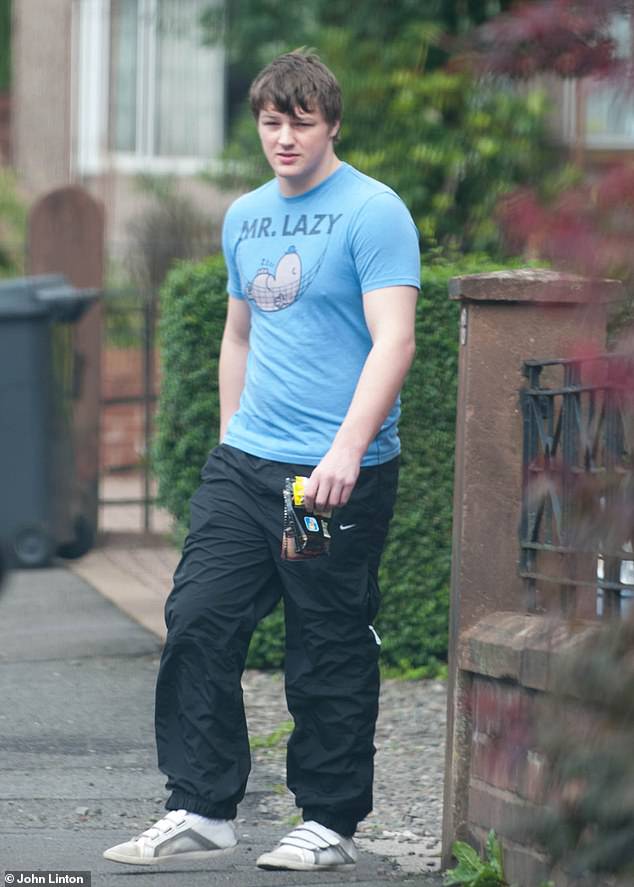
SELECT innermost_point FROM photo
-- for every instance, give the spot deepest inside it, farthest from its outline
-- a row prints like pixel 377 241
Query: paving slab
pixel 78 765
pixel 135 577
pixel 47 614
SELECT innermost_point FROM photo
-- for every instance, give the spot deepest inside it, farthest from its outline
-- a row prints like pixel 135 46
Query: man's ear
pixel 335 130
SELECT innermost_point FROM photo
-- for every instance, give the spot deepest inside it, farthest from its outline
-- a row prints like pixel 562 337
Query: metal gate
pixel 128 400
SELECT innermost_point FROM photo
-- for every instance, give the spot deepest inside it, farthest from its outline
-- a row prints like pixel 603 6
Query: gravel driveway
pixel 405 824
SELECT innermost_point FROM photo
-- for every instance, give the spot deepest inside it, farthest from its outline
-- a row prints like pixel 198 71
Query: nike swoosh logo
pixel 346 526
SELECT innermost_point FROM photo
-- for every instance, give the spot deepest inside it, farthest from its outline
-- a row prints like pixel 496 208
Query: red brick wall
pixel 507 772
pixel 508 661
pixel 122 425
pixel 505 751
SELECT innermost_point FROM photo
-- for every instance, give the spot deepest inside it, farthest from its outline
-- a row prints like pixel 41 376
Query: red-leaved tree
pixel 587 227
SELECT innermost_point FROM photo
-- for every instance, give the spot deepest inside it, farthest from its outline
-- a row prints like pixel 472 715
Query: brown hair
pixel 297 79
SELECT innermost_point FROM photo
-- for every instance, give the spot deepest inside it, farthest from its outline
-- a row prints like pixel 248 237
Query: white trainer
pixel 311 847
pixel 177 836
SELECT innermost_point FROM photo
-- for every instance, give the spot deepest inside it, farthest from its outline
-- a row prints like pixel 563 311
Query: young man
pixel 323 277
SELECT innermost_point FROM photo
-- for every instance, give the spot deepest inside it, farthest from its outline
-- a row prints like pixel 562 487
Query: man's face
pixel 299 147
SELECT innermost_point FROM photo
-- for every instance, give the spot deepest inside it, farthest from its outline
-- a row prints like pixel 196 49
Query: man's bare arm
pixel 233 359
pixel 390 316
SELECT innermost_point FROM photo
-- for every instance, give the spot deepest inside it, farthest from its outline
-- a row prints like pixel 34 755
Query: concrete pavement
pixel 78 767
pixel 133 571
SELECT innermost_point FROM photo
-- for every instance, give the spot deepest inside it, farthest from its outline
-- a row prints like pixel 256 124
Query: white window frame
pixel 91 69
pixel 92 154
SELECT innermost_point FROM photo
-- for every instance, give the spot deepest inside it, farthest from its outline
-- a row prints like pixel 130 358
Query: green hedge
pixel 5 45
pixel 416 563
pixel 192 315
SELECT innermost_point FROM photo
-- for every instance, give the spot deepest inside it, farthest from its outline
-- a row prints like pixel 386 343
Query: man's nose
pixel 286 136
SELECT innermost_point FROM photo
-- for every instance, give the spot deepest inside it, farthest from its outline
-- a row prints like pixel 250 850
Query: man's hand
pixel 333 480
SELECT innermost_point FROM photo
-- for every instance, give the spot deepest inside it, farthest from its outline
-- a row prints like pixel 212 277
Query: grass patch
pixel 271 740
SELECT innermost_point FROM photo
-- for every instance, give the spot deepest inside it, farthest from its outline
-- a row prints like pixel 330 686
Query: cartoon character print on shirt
pixel 281 278
pixel 272 291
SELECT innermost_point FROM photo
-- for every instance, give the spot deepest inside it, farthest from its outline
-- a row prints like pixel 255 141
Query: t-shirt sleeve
pixel 229 244
pixel 385 245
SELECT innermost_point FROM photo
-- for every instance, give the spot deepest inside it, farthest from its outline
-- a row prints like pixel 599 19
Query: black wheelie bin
pixel 46 505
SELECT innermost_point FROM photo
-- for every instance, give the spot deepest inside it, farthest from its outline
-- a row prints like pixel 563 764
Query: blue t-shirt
pixel 304 264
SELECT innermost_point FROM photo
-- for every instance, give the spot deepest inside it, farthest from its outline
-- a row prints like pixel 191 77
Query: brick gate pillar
pixel 506 317
pixel 66 236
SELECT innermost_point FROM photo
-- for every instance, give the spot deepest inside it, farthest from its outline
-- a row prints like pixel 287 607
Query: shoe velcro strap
pixel 312 837
pixel 332 854
pixel 317 828
pixel 303 843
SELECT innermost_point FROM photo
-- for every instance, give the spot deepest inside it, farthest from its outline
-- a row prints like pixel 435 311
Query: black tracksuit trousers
pixel 230 576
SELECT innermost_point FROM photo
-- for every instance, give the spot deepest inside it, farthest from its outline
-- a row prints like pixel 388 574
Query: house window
pixel 166 87
pixel 598 113
pixel 609 109
pixel 149 95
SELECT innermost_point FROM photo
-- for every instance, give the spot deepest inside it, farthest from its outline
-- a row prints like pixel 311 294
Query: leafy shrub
pixel 168 228
pixel 589 824
pixel 13 217
pixel 472 871
pixel 193 307
pixel 416 563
